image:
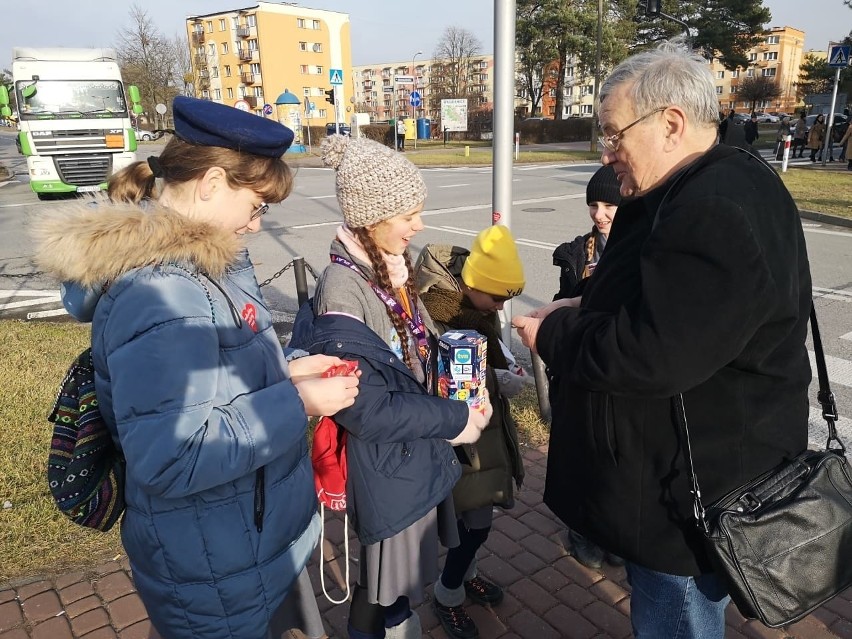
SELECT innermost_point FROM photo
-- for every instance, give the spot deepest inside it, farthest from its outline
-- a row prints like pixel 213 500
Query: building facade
pixel 777 57
pixel 250 56
pixel 378 94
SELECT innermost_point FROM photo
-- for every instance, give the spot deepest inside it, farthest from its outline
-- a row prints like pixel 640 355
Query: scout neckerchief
pixel 415 324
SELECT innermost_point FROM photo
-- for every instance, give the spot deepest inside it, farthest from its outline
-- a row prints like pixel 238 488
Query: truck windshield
pixel 71 99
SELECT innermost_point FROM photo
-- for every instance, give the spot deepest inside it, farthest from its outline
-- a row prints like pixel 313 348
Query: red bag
pixel 328 456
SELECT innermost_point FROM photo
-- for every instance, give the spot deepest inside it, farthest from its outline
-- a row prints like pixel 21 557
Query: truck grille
pixel 83 170
pixel 70 141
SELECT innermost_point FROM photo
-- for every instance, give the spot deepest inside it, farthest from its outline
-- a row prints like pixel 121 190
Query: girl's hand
pixel 327 395
pixel 478 417
pixel 311 366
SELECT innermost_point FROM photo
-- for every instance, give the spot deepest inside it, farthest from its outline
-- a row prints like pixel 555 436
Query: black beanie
pixel 604 187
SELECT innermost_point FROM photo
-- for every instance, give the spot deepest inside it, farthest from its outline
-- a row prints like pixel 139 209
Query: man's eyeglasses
pixel 259 211
pixel 612 142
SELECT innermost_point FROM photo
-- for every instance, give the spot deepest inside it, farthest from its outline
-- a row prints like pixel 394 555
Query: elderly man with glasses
pixel 704 289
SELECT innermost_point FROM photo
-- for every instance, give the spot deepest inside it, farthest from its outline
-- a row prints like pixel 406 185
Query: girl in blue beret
pixel 208 410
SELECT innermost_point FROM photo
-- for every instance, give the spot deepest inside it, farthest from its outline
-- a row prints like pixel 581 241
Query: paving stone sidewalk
pixel 548 594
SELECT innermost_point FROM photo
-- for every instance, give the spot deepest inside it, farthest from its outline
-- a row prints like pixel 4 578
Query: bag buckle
pixel 749 502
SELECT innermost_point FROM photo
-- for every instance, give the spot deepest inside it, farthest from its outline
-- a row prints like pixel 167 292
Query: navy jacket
pixel 400 463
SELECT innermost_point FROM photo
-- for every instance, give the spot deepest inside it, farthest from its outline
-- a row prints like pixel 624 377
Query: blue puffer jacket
pixel 400 463
pixel 195 388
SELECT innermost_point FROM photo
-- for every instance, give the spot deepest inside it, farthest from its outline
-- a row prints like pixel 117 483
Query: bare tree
pixel 757 89
pixel 147 59
pixel 450 76
pixel 184 76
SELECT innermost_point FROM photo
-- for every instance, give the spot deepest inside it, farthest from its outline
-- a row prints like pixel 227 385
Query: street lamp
pixel 414 108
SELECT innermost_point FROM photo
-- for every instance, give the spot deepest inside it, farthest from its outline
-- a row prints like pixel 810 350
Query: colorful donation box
pixel 461 365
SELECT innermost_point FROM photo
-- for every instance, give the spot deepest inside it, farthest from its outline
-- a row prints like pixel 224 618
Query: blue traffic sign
pixel 267 109
pixel 414 99
pixel 838 56
pixel 335 76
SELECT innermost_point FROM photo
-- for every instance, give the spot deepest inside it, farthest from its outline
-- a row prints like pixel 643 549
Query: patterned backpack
pixel 85 471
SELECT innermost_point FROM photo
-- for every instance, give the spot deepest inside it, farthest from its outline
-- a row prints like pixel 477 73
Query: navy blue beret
pixel 213 124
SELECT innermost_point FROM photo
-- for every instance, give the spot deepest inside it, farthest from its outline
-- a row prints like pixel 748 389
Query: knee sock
pixel 459 558
pixel 366 620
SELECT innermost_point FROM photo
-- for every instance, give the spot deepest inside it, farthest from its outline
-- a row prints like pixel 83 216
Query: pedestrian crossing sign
pixel 335 76
pixel 838 57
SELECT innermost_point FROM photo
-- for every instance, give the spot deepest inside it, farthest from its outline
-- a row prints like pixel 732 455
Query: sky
pixel 382 30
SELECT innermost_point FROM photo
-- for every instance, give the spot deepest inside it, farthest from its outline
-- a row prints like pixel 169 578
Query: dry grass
pixel 822 191
pixel 35 538
pixel 532 430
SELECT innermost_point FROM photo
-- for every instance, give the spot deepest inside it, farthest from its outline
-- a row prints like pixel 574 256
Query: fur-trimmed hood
pixel 91 243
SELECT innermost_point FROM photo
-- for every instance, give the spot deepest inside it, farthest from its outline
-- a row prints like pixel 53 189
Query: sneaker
pixel 483 591
pixel 455 621
pixel 585 551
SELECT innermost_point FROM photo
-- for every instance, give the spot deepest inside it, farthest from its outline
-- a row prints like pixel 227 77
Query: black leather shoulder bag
pixel 783 541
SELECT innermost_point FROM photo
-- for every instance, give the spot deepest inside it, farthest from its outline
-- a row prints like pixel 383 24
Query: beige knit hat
pixel 374 183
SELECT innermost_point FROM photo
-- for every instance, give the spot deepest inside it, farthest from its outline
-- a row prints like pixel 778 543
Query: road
pixel 548 208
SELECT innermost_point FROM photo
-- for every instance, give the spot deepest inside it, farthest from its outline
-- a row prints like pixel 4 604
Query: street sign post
pixel 838 58
pixel 414 99
pixel 404 79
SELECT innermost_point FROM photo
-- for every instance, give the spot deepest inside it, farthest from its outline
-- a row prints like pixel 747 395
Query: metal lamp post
pixel 414 108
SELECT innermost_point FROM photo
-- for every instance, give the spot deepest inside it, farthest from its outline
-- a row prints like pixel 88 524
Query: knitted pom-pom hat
pixel 374 183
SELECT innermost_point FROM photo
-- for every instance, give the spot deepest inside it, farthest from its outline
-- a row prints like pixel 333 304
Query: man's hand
pixel 527 329
pixel 544 311
pixel 312 366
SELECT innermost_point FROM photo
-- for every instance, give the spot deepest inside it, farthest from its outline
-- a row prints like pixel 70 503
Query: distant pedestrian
pixel 815 138
pixel 400 134
pixel 751 132
pixel 800 135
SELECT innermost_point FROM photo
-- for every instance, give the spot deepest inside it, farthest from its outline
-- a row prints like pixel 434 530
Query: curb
pixel 826 218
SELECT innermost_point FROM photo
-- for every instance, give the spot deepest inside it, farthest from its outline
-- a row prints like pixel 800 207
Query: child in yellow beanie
pixel 464 289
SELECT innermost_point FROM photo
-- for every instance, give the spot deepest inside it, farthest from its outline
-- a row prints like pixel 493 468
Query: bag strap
pixel 829 413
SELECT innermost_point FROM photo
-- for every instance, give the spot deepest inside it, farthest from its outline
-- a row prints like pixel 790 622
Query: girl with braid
pixel 400 457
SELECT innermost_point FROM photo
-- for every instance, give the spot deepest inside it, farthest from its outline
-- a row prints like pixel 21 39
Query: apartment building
pixel 247 57
pixel 377 93
pixel 778 57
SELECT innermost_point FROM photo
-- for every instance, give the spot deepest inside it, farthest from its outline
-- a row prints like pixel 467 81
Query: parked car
pixel 763 118
pixel 741 118
pixel 147 136
pixel 345 129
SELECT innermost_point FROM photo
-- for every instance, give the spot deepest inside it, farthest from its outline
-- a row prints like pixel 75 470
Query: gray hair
pixel 670 74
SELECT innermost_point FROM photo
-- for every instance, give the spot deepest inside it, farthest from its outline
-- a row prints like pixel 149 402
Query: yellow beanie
pixel 493 265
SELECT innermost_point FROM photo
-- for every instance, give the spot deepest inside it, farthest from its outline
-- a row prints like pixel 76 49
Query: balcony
pixel 243 32
pixel 246 54
pixel 203 82
pixel 197 37
pixel 247 78
pixel 201 60
pixel 252 100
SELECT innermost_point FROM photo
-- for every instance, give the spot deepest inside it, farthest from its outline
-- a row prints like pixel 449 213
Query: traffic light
pixel 652 7
pixel 329 96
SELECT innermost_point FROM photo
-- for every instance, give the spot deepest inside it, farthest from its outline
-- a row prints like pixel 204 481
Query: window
pixel 586 109
pixel 322 113
pixel 306 91
pixel 227 70
pixel 773 40
pixel 735 74
pixel 217 94
pixel 251 21
pixel 752 57
pixel 316 25
pixel 770 55
pixel 319 70
pixel 209 26
pixel 205 94
pixel 769 73
pixel 720 75
pixel 750 73
pixel 212 48
pixel 215 72
pixel 300 23
pixel 222 26
pixel 718 90
pixel 258 92
pixel 303 68
pixel 569 91
pixel 254 67
pixel 235 22
pixel 230 93
pixel 224 48
pixel 317 47
pixel 569 71
pixel 734 90
pixel 303 46
pixel 252 45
